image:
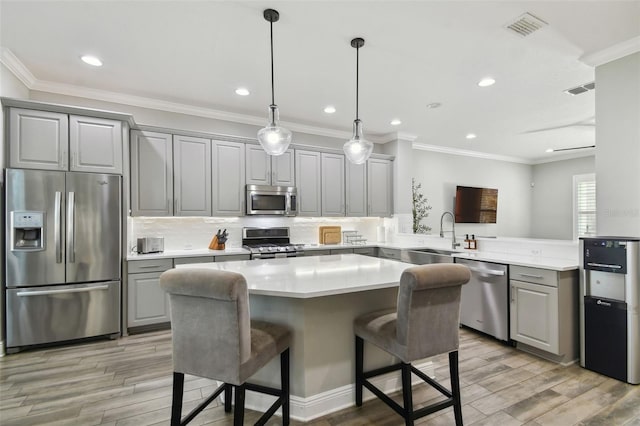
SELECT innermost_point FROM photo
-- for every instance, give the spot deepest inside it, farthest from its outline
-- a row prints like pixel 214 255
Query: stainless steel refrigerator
pixel 62 256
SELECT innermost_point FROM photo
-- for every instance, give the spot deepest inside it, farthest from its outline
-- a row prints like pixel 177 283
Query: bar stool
pixel 425 323
pixel 213 337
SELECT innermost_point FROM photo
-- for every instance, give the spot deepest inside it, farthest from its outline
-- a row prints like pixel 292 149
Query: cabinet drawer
pixel 367 251
pixel 189 260
pixel 315 253
pixel 388 253
pixel 232 257
pixel 342 251
pixel 155 265
pixel 534 275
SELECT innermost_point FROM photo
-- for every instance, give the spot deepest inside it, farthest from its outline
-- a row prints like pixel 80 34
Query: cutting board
pixel 330 234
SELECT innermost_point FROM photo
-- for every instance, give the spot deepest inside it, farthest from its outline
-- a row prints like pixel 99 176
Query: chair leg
pixel 238 410
pixel 359 369
pixel 284 383
pixel 176 399
pixel 227 397
pixel 407 395
pixel 455 387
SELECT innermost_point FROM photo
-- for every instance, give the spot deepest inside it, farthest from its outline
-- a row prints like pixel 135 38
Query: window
pixel 584 205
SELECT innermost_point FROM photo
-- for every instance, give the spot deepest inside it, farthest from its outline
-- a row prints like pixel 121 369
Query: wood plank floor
pixel 128 382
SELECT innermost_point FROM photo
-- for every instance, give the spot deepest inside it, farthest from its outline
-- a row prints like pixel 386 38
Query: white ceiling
pixel 416 52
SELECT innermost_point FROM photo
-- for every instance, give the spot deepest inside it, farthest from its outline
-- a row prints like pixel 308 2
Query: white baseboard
pixel 306 409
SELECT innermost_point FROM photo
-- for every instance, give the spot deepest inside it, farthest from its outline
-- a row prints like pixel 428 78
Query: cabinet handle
pixel 149 266
pixel 513 294
pixel 175 206
pixel 539 277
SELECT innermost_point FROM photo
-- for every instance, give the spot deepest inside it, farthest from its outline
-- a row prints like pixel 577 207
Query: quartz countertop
pixel 512 259
pixel 170 254
pixel 313 276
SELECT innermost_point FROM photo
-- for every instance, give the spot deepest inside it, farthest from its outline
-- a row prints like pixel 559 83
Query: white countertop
pixel 512 259
pixel 313 276
pixel 169 254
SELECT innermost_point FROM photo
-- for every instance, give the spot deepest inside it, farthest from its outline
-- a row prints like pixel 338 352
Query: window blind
pixel 585 205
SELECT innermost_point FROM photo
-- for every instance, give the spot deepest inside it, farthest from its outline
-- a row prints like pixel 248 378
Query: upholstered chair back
pixel 209 321
pixel 428 309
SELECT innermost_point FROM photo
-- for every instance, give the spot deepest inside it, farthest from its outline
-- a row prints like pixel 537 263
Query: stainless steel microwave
pixel 271 200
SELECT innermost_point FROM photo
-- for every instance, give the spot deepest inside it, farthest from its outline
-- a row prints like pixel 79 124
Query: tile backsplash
pixel 182 233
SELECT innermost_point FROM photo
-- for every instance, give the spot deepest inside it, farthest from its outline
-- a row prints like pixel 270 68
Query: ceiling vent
pixel 581 89
pixel 526 25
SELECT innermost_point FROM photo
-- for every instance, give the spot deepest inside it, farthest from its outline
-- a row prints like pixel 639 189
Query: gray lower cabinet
pixel 147 303
pixel 356 189
pixel 308 183
pixel 54 141
pixel 544 311
pixel 366 251
pixel 341 251
pixel 333 184
pixel 379 187
pixel 319 252
pixel 191 260
pixel 228 178
pixel 191 176
pixel 232 257
pixel 151 174
pixel 389 253
pixel 264 169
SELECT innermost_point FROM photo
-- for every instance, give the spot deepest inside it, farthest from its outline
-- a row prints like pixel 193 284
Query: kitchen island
pixel 318 298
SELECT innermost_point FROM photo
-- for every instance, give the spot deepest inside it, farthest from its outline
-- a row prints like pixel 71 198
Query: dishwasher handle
pixel 495 272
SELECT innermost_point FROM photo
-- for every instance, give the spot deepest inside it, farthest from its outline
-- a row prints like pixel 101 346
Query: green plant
pixel 420 210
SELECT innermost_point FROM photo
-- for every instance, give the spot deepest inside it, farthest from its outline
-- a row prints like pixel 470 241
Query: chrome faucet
pixel 453 229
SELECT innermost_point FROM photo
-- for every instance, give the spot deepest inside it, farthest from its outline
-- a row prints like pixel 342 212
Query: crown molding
pixel 468 153
pixel 18 69
pixel 389 137
pixel 583 153
pixel 612 53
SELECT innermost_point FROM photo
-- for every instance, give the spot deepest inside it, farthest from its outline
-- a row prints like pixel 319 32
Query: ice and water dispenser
pixel 27 231
pixel 609 305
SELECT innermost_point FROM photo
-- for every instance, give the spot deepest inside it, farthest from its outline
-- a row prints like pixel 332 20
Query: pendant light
pixel 357 149
pixel 274 138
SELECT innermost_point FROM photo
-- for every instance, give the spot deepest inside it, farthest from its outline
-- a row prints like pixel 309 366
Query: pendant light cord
pixel 357 78
pixel 273 102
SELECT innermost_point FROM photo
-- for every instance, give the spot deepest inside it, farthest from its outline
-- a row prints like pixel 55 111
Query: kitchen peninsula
pixel 318 297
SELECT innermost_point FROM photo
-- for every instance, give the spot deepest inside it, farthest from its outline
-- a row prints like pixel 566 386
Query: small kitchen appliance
pixel 269 243
pixel 147 245
pixel 271 200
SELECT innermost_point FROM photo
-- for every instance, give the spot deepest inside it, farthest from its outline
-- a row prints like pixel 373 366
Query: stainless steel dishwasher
pixel 484 304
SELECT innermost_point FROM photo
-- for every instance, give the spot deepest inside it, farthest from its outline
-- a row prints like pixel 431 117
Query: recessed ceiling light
pixel 91 60
pixel 471 136
pixel 329 109
pixel 549 150
pixel 434 105
pixel 486 82
pixel 242 91
pixel 396 122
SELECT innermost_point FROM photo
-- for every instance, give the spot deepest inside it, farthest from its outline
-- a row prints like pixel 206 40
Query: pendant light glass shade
pixel 273 138
pixel 357 149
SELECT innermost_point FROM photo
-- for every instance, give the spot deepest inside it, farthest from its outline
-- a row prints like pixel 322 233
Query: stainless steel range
pixel 269 243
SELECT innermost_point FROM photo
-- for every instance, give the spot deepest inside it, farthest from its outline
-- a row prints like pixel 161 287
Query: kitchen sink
pixel 426 256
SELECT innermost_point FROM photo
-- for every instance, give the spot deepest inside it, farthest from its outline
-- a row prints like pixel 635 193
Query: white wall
pixel 440 173
pixel 618 147
pixel 552 196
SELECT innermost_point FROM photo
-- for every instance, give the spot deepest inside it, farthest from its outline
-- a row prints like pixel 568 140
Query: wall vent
pixel 526 25
pixel 581 89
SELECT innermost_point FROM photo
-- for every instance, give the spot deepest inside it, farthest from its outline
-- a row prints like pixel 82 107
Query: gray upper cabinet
pixel 95 145
pixel 264 169
pixel 191 176
pixel 308 182
pixel 151 174
pixel 228 178
pixel 380 187
pixel 333 186
pixel 356 189
pixel 54 141
pixel 38 139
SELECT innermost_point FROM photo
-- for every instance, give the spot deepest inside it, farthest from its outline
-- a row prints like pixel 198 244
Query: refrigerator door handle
pixel 64 291
pixel 57 226
pixel 71 232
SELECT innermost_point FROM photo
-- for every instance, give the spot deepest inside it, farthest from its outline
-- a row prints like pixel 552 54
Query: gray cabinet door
pixel 308 182
pixel 38 140
pixel 332 184
pixel 379 187
pixel 148 303
pixel 151 174
pixel 95 145
pixel 258 164
pixel 356 189
pixel 191 176
pixel 228 178
pixel 534 315
pixel 283 170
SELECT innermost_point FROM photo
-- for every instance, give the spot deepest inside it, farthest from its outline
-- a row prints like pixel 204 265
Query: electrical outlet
pixel 536 252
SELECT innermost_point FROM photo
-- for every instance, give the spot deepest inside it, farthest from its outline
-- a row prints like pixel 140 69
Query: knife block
pixel 215 244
